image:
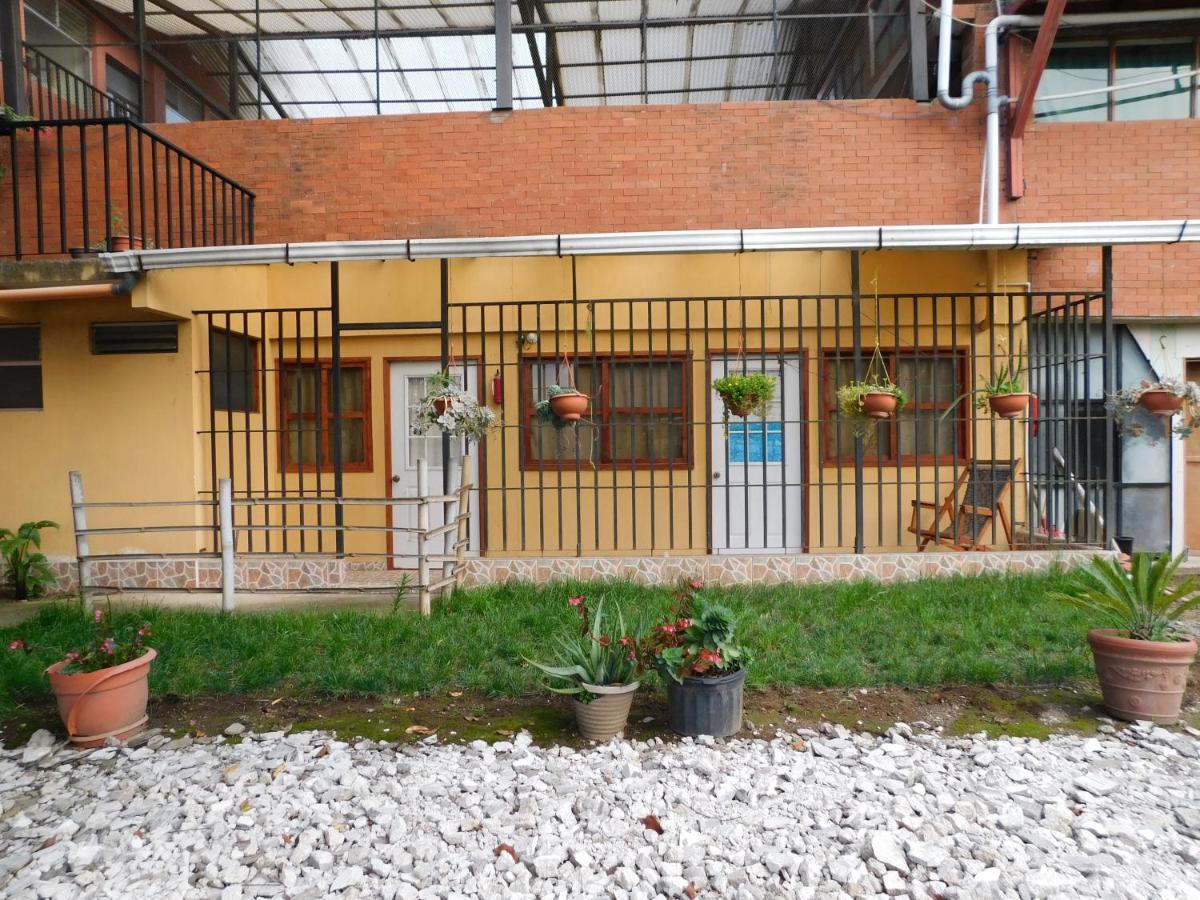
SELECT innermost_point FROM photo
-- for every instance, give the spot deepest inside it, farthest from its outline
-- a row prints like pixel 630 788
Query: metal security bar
pixel 656 466
pixel 55 92
pixel 82 185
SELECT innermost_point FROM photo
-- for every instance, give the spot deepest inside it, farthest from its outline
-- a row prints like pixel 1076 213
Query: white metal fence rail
pixel 436 571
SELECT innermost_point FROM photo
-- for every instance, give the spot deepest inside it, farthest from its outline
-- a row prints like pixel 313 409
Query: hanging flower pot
pixel 452 410
pixel 441 404
pixel 878 404
pixel 569 405
pixel 746 394
pixel 1161 402
pixel 1008 406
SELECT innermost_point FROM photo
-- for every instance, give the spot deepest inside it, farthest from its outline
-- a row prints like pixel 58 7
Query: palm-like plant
pixel 1142 601
pixel 27 567
pixel 593 657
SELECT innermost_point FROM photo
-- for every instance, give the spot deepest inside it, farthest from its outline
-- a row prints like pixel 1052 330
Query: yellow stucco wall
pixel 134 425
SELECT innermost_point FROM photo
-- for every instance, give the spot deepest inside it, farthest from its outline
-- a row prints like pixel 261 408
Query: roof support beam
pixel 553 70
pixel 918 49
pixel 1023 111
pixel 12 54
pixel 504 67
pixel 529 17
pixel 1016 146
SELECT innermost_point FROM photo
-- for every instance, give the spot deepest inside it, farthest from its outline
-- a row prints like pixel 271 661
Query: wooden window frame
pixel 325 365
pixel 602 414
pixel 255 373
pixel 830 413
pixel 37 363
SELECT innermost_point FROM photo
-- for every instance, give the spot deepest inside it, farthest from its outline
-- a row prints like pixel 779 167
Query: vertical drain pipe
pixel 989 74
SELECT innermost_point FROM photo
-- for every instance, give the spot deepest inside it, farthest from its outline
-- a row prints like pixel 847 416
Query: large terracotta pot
pixel 107 703
pixel 607 714
pixel 878 404
pixel 1008 406
pixel 569 407
pixel 1161 403
pixel 1141 679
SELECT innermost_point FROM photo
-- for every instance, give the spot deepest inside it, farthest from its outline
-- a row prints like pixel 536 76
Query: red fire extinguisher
pixel 497 389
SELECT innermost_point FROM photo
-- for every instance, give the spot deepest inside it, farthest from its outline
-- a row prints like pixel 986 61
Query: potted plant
pixel 119 240
pixel 102 688
pixel 453 410
pixel 561 406
pixel 1004 393
pixel 25 566
pixel 1164 399
pixel 745 393
pixel 694 653
pixel 1142 661
pixel 598 669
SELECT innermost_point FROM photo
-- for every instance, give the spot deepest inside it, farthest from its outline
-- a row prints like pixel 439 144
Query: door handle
pixel 395 479
pixel 716 476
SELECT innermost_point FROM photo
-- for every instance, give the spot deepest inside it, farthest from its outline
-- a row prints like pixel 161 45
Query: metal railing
pixel 82 185
pixel 217 515
pixel 55 92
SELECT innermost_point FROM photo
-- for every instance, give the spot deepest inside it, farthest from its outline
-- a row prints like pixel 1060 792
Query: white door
pixel 758 465
pixel 409 382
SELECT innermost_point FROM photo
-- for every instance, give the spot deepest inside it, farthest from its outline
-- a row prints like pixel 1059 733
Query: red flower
pixel 576 601
pixel 626 641
pixel 710 656
pixel 72 656
pixel 696 583
pixel 667 629
pixel 604 640
pixel 683 624
pixel 632 656
pixel 98 616
pixel 17 645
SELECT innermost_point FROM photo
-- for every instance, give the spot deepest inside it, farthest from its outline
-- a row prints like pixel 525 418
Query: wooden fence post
pixel 463 521
pixel 423 537
pixel 79 519
pixel 228 571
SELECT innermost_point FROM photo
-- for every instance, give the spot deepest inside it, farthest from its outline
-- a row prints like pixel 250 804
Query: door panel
pixel 758 466
pixel 409 382
pixel 1191 477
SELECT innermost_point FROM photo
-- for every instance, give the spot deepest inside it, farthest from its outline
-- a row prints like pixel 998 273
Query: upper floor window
pixel 121 83
pixel 60 31
pixel 1150 80
pixel 182 105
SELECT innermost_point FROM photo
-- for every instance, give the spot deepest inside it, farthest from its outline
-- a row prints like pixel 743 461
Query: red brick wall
pixel 715 166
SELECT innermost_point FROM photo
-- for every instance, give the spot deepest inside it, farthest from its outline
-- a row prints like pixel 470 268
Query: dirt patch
pixel 454 716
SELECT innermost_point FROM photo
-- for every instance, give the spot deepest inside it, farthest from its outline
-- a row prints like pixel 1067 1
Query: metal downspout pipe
pixel 990 75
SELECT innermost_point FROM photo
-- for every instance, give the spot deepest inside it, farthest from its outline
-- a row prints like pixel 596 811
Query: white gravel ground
pixel 807 815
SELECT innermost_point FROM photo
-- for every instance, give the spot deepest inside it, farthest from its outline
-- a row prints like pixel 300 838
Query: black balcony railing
pixel 87 184
pixel 55 92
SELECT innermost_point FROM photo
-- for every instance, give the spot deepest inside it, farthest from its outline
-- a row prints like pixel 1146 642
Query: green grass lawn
pixel 971 629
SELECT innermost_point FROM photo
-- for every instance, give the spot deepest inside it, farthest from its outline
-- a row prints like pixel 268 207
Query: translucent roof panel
pixel 360 57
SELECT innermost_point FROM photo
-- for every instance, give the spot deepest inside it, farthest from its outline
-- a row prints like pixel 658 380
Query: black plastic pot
pixel 707 705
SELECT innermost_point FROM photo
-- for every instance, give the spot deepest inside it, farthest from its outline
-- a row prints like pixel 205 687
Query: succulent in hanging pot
pixel 562 406
pixel 452 410
pixel 745 393
pixel 1175 402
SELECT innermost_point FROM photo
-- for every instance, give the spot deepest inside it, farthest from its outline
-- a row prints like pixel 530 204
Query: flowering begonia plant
pixel 105 648
pixel 696 639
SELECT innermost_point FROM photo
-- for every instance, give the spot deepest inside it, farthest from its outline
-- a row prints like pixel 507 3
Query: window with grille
pixel 233 370
pixel 306 416
pixel 62 32
pixel 637 417
pixel 921 431
pixel 20 367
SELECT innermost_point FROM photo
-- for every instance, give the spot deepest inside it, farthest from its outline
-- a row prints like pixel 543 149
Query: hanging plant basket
pixel 569 404
pixel 746 393
pixel 1161 402
pixel 1008 406
pixel 442 403
pixel 878 404
pixel 452 411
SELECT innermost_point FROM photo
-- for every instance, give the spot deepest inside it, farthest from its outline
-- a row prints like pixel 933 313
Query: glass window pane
pixel 301 388
pixel 354 449
pixel 1170 99
pixel 559 444
pixel 641 437
pixel 352 389
pixel 233 375
pixel 1072 69
pixel 926 433
pixel 20 343
pixel 928 380
pixel 301 435
pixel 21 387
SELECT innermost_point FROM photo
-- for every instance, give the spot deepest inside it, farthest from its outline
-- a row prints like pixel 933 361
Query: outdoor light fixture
pixel 527 339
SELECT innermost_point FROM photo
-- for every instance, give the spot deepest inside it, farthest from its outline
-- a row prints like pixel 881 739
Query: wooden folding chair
pixel 969 511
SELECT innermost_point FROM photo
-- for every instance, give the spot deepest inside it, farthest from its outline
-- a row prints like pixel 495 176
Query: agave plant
pixel 594 656
pixel 1142 601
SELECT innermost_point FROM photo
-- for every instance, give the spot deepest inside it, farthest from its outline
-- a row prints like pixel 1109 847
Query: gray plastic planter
pixel 706 705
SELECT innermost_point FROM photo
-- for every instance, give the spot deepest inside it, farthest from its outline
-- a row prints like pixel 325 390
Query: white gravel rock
pixel 305 816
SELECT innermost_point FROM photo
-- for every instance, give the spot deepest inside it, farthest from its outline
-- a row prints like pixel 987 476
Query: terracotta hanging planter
pixel 569 405
pixel 441 404
pixel 878 404
pixel 1161 402
pixel 111 702
pixel 607 714
pixel 1141 679
pixel 1008 406
pixel 119 243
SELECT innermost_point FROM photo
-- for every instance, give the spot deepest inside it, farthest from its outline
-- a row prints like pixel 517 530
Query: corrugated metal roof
pixel 319 57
